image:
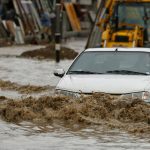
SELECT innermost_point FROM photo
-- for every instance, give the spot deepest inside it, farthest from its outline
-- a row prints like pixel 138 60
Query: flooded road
pixel 58 135
pixel 28 71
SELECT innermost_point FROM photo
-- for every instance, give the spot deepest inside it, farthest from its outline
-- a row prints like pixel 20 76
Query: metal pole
pixel 58 31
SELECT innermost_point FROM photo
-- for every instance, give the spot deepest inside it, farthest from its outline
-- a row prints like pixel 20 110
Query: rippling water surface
pixel 26 136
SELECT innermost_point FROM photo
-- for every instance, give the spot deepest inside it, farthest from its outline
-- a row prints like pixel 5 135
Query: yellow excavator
pixel 125 23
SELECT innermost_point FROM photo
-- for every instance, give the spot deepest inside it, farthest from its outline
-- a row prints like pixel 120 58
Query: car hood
pixel 113 84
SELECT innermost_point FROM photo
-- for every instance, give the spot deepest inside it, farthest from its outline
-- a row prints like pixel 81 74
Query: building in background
pixel 22 20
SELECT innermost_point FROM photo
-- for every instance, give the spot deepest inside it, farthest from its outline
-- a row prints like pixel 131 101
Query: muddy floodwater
pixel 21 78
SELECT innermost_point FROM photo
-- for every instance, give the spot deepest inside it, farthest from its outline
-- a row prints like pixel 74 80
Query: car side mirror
pixel 59 72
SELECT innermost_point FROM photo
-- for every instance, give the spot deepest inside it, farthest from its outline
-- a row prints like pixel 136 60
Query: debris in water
pixel 2 98
pixel 132 115
pixel 49 53
pixel 23 89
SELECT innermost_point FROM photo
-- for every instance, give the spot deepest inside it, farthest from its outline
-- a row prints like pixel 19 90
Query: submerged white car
pixel 117 71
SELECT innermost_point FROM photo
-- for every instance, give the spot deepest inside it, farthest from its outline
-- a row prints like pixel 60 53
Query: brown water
pixel 83 128
pixel 33 72
pixel 27 136
pixel 131 115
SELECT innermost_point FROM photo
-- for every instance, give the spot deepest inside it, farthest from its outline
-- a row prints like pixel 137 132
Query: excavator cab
pixel 126 24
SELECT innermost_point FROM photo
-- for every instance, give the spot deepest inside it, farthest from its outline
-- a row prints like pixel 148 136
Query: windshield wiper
pixel 83 72
pixel 127 72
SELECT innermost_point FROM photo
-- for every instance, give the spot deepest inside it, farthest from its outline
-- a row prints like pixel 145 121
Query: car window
pixel 102 62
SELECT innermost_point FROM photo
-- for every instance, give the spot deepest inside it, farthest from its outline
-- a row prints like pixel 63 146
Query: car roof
pixel 119 49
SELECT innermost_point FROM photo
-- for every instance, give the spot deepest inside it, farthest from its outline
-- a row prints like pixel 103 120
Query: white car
pixel 117 71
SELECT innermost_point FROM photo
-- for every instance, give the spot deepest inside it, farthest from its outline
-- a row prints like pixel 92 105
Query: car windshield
pixel 99 62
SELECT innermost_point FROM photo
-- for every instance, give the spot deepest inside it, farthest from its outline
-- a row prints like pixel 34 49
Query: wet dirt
pixel 49 53
pixel 132 115
pixel 23 89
